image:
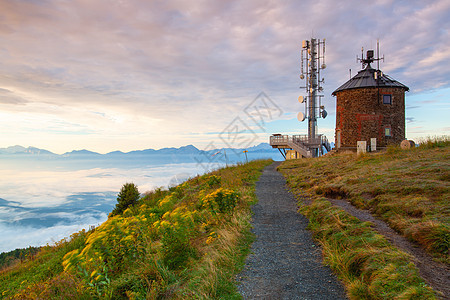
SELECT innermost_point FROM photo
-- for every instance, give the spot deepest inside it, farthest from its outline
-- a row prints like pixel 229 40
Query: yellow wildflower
pixel 209 240
pixel 165 200
pixel 164 223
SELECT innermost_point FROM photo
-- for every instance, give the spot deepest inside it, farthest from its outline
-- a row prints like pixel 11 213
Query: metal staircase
pixel 299 147
pixel 300 143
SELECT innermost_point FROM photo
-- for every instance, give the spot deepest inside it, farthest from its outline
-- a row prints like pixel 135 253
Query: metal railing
pixel 301 141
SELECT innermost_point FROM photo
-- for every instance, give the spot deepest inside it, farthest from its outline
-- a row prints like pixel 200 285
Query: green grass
pixel 188 242
pixel 409 189
pixel 39 270
pixel 364 260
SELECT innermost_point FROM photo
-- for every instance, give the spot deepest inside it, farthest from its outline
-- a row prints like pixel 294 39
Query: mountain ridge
pixel 20 150
pixel 183 150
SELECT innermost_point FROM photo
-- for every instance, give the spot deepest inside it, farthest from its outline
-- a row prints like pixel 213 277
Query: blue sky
pixel 122 75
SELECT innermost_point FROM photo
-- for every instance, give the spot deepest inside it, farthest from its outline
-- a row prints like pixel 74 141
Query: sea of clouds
pixel 46 204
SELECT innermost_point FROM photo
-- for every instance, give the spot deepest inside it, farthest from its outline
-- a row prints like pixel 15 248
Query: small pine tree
pixel 128 196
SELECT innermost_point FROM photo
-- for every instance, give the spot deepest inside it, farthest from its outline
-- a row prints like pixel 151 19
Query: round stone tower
pixel 370 105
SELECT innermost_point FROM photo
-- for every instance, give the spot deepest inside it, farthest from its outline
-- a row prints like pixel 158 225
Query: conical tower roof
pixel 366 78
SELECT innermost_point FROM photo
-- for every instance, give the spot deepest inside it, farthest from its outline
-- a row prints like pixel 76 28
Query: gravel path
pixel 285 263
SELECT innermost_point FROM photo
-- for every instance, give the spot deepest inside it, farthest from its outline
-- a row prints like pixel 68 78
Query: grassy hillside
pixel 408 189
pixel 188 242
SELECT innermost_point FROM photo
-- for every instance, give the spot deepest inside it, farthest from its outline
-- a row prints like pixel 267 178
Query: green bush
pixel 176 248
pixel 128 196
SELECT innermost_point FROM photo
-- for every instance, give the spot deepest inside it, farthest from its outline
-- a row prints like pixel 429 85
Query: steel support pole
pixel 312 120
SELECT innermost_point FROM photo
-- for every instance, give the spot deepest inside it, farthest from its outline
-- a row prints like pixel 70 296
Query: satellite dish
pixel 301 99
pixel 301 117
pixel 324 66
pixel 302 76
pixel 324 113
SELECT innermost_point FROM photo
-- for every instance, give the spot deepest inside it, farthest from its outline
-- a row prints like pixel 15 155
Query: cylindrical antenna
pixel 378 54
pixel 301 55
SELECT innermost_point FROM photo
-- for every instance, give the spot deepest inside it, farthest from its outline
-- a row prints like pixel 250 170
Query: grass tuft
pixel 434 142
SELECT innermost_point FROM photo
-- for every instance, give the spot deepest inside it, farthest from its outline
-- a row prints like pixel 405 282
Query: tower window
pixel 387 131
pixel 387 99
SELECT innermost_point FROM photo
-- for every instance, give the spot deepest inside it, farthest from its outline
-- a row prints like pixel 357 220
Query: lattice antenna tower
pixel 312 61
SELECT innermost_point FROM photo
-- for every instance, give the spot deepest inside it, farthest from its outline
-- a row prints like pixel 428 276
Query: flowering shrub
pixel 213 180
pixel 221 201
pixel 171 224
pixel 107 249
pixel 177 228
pixel 167 202
pixel 64 286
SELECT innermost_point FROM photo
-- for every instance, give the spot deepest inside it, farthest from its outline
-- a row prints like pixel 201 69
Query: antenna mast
pixel 312 61
pixel 378 54
pixel 370 57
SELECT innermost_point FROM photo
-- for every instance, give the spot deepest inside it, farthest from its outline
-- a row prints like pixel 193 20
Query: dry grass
pixel 409 189
pixel 364 260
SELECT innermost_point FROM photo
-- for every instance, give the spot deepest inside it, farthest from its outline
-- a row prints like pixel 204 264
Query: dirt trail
pixel 285 263
pixel 436 274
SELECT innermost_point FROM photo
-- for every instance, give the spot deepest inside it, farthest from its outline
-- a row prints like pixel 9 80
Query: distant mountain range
pixel 25 151
pixel 185 150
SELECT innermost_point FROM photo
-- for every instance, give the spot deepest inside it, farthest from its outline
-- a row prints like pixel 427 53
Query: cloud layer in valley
pixel 39 206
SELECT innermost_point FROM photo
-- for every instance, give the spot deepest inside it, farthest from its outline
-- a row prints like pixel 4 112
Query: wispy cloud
pixel 149 73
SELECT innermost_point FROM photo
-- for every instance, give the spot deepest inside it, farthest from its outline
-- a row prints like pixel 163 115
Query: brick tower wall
pixel 362 115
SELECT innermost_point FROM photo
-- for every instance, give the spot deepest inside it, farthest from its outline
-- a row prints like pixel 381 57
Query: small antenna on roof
pixel 378 55
pixel 370 57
